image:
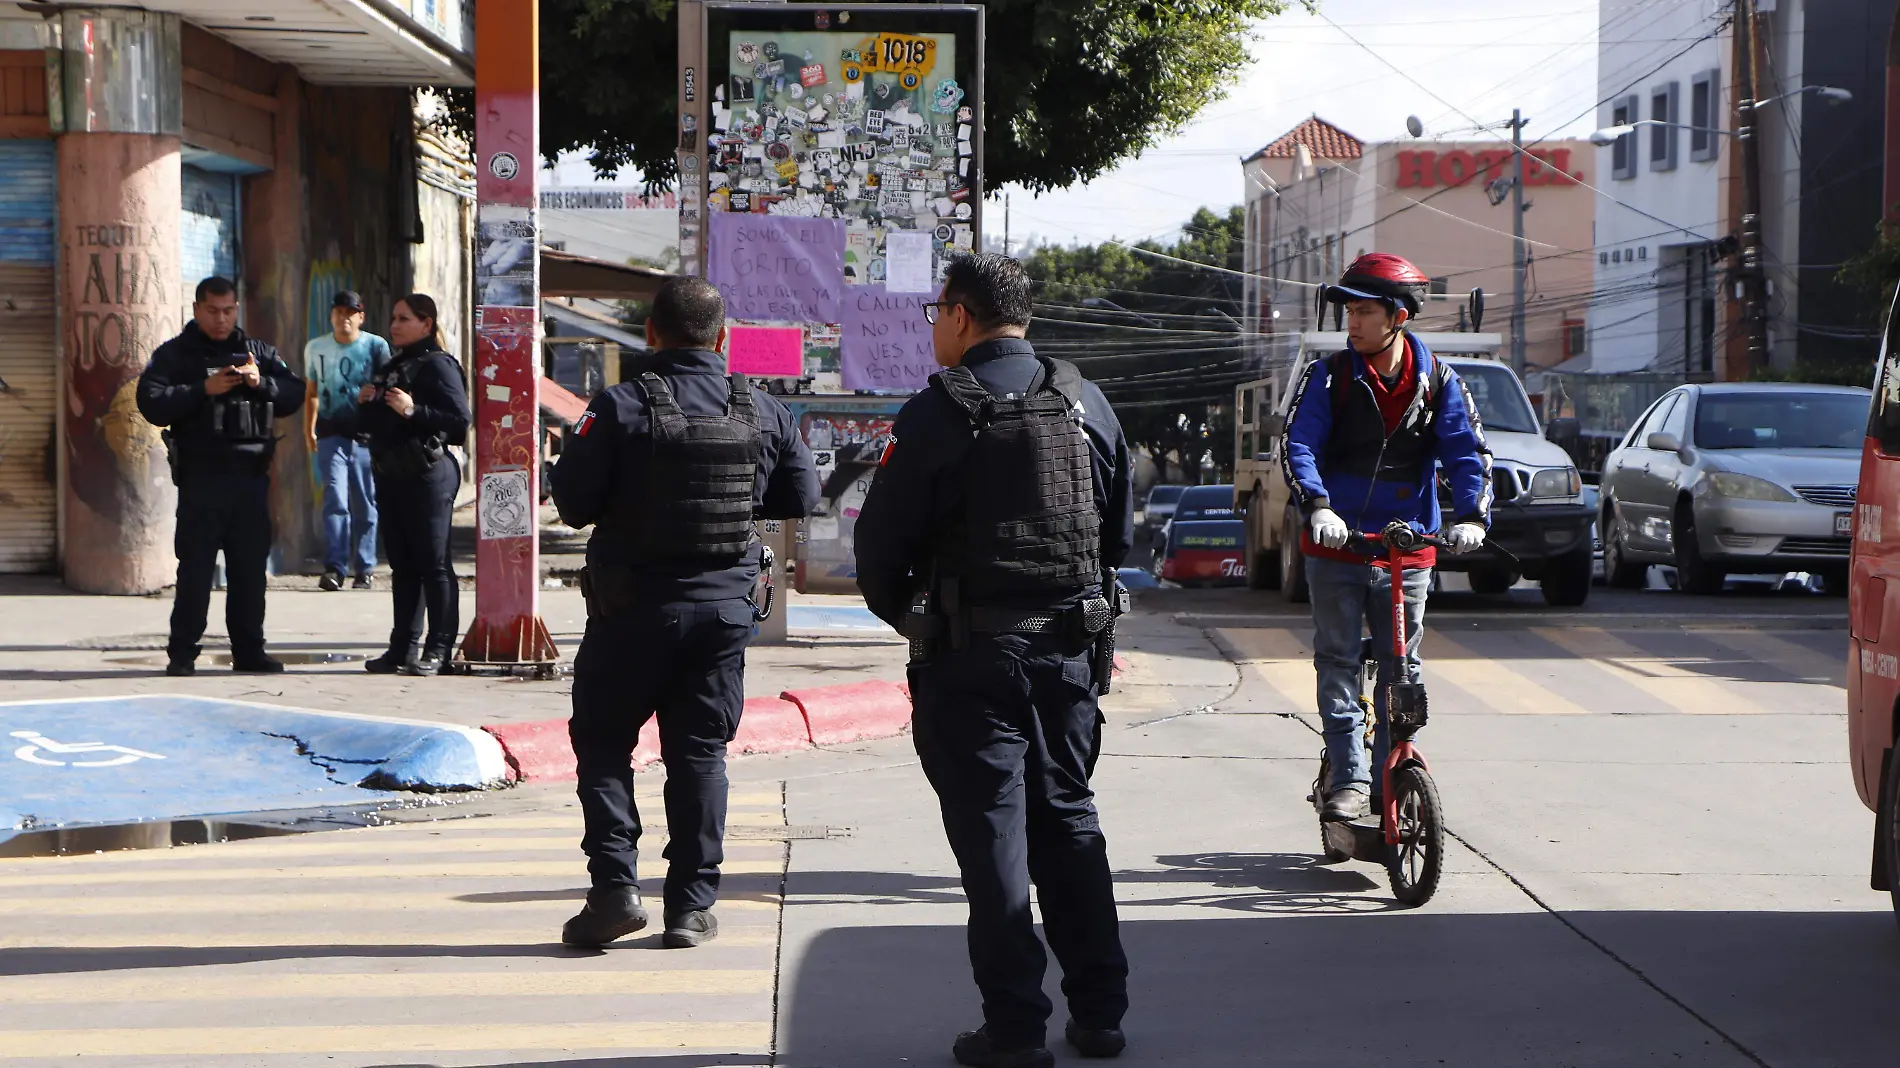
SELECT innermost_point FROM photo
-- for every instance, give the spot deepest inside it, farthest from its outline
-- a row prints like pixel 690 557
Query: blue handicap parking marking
pixel 832 617
pixel 108 760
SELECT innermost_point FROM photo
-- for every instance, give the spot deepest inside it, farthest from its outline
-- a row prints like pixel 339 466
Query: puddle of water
pixel 224 659
pixel 162 834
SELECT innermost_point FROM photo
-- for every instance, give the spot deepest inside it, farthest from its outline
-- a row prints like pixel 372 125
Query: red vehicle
pixel 1205 552
pixel 1873 594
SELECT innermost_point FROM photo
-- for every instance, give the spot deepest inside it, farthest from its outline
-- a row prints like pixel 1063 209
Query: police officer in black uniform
pixel 990 536
pixel 219 393
pixel 671 469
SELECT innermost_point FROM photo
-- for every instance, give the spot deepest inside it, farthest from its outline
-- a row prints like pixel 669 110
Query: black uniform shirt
pixel 171 393
pixel 433 380
pixel 918 490
pixel 607 455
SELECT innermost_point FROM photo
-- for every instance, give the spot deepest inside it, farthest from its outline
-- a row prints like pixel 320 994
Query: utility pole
pixel 1005 222
pixel 1750 277
pixel 1517 241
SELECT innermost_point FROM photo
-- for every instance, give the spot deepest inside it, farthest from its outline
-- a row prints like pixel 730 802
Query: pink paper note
pixel 766 351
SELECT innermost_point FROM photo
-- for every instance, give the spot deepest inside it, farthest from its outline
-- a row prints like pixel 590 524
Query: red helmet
pixel 1383 277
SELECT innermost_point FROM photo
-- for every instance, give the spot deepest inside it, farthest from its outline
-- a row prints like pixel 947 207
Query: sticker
pixel 853 74
pixel 779 151
pixel 498 394
pixel 689 123
pixel 741 201
pixel 502 508
pixel 963 211
pixel 741 88
pixel 942 233
pixel 822 20
pixel 873 123
pixel 883 90
pixel 900 135
pixel 689 84
pixel 689 163
pixel 795 91
pixel 788 170
pixel 770 49
pixel 911 81
pixel 844 18
pixel 774 69
pixel 748 53
pixel 811 76
pixel 965 114
pixel 504 166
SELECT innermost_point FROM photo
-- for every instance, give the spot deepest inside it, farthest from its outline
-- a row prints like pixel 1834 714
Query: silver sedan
pixel 1735 478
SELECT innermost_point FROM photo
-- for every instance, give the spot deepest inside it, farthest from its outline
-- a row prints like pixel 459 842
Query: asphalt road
pixel 1657 859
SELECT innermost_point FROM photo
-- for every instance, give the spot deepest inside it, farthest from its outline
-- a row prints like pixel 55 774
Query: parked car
pixel 1196 503
pixel 1735 478
pixel 1205 552
pixel 1159 506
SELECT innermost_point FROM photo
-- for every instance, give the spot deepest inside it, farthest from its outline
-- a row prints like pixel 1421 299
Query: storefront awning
pixel 347 42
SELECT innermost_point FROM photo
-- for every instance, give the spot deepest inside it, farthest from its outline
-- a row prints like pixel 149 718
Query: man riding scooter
pixel 1371 429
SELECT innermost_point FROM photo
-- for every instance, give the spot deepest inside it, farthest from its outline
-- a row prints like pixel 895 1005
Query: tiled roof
pixel 1320 137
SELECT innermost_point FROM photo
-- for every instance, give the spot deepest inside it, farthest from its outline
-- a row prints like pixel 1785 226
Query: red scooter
pixel 1409 838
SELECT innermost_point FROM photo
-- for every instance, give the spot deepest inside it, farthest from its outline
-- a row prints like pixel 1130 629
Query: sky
pixel 1464 62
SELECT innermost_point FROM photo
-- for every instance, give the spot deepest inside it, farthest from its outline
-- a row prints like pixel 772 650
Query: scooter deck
pixel 1361 839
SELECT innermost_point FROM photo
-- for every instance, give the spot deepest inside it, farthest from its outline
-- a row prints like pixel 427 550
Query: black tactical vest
pixel 698 504
pixel 1030 525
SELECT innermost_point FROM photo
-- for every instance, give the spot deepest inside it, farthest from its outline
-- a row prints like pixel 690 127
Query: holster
pixel 608 591
pixel 923 626
pixel 1117 604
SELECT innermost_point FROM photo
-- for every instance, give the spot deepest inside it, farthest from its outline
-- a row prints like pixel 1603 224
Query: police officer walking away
pixel 990 537
pixel 219 394
pixel 671 469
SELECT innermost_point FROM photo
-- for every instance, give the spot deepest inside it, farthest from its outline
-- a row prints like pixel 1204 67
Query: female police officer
pixel 412 411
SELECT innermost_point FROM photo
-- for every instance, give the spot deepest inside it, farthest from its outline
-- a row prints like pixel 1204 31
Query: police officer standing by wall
pixel 219 394
pixel 990 537
pixel 671 469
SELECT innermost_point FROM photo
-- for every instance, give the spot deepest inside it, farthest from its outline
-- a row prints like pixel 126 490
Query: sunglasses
pixel 935 309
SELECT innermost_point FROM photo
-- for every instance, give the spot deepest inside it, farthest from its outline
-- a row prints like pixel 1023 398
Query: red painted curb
pixel 535 751
pixel 853 712
pixel 770 725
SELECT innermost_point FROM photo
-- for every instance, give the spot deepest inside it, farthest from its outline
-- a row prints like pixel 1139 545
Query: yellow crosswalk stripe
pixel 387 1038
pixel 1664 678
pixel 370 843
pixel 180 984
pixel 265 904
pixel 1809 665
pixel 1495 682
pixel 730 936
pixel 445 870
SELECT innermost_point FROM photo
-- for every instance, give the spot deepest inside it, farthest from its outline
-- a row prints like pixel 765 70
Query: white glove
pixel 1328 529
pixel 1464 537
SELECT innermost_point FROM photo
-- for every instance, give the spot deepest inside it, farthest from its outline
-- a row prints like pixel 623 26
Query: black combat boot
pixel 435 654
pixel 611 912
pixel 976 1050
pixel 402 647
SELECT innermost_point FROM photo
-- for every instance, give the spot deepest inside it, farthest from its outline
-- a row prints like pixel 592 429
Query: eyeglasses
pixel 935 308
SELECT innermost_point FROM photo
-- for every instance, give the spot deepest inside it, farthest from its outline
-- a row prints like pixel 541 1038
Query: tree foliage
pixel 1072 87
pixel 1161 337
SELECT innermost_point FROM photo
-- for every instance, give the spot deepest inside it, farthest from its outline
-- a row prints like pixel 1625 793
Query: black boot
pixel 434 656
pixel 1099 1042
pixel 976 1050
pixel 402 647
pixel 611 912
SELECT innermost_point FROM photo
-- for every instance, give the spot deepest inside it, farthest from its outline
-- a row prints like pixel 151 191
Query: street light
pixel 1610 134
pixel 1832 94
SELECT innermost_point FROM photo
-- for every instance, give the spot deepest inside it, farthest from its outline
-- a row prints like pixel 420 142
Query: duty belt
pixel 1003 621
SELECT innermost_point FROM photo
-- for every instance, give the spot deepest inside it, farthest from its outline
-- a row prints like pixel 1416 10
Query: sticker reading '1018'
pixel 894 53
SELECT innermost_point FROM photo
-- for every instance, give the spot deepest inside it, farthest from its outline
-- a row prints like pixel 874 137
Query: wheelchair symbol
pixel 37 743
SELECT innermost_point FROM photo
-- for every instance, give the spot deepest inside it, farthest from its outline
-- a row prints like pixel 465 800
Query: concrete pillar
pixel 120 294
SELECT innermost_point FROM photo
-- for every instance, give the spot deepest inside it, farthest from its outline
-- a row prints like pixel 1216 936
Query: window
pixel 1705 114
pixel 1778 420
pixel 1677 421
pixel 1885 421
pixel 1575 339
pixel 1623 149
pixel 1649 424
pixel 1662 139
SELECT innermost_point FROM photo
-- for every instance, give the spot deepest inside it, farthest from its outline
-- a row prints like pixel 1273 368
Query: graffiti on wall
pixel 122 308
pixel 847 445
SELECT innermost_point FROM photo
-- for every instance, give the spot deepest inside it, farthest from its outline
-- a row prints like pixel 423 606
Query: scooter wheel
pixel 1415 863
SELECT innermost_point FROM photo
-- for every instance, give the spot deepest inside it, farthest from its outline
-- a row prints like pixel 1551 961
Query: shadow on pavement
pixel 667 1060
pixel 1404 988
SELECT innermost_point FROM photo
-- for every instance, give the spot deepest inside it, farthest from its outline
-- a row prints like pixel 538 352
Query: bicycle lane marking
pixel 1664 679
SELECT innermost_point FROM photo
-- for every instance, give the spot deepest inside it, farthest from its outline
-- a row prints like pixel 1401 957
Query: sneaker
pixel 181 669
pixel 611 912
pixel 257 664
pixel 974 1049
pixel 331 581
pixel 689 929
pixel 360 582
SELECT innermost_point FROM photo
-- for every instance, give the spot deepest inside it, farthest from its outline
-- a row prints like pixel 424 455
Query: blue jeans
pixel 349 501
pixel 1348 601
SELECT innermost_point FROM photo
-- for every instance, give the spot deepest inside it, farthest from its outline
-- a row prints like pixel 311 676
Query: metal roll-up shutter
pixel 208 231
pixel 28 356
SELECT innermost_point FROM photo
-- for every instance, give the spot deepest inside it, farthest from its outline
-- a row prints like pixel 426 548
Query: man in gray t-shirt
pixel 338 364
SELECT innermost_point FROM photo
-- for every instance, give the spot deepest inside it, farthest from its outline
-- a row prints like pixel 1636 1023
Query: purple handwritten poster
pixel 777 268
pixel 886 343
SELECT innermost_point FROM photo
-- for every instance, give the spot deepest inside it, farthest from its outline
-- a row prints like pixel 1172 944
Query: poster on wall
pixel 847 438
pixel 866 120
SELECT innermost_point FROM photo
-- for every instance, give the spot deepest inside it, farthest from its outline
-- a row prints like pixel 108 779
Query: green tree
pixel 1156 326
pixel 1073 86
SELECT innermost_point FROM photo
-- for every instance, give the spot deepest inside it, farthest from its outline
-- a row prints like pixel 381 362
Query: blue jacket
pixel 1329 453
